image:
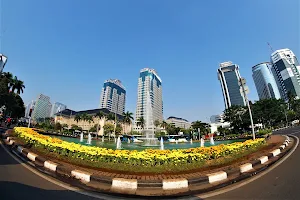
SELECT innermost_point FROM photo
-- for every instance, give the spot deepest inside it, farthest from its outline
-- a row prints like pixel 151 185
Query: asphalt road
pixel 18 182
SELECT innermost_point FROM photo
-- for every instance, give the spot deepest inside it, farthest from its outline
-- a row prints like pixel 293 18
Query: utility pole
pixel 242 83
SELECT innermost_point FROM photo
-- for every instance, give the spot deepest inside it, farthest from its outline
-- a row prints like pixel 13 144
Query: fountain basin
pixel 142 146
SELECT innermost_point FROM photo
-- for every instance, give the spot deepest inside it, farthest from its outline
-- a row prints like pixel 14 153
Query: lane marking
pixel 237 185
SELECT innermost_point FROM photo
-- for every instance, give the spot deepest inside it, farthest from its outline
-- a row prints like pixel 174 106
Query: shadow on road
pixel 14 190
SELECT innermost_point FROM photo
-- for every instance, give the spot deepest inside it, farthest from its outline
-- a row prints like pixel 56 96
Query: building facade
pixel 42 108
pixel 113 96
pixel 3 60
pixel 264 81
pixel 57 107
pixel 286 70
pixel 179 122
pixel 67 116
pixel 28 107
pixel 229 77
pixel 217 118
pixel 149 83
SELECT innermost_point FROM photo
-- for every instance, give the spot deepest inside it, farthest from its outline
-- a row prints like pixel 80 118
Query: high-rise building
pixel 149 83
pixel 57 107
pixel 3 60
pixel 217 118
pixel 28 107
pixel 179 122
pixel 264 80
pixel 286 70
pixel 113 96
pixel 42 108
pixel 229 77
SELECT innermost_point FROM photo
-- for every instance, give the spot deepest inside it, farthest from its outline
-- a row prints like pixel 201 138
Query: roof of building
pixel 68 112
pixel 172 117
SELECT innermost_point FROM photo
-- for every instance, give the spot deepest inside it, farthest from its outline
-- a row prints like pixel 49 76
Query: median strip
pixel 166 186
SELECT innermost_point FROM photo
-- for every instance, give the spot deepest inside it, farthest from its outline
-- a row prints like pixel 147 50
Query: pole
pixel 29 122
pixel 248 105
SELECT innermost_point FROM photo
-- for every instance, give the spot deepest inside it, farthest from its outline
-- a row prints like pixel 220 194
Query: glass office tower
pixel 286 70
pixel 229 77
pixel 264 80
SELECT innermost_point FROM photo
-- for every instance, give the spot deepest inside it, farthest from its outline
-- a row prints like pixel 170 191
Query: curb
pixel 165 187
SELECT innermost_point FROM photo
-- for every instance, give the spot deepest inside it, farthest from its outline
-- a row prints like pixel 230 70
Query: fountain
pixel 81 137
pixel 201 142
pixel 128 141
pixel 89 140
pixel 149 139
pixel 161 143
pixel 212 142
pixel 191 141
pixel 176 141
pixel 103 138
pixel 119 143
pixel 115 140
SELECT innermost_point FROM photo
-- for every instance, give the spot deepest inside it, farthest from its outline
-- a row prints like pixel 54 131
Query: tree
pixel 204 127
pixel 108 129
pixel 57 126
pixel 141 122
pixel 13 102
pixel 89 119
pixel 100 115
pixel 111 117
pixel 128 116
pixel 118 129
pixel 164 124
pixel 17 85
pixel 156 123
pixel 235 115
pixel 77 118
pixel 84 118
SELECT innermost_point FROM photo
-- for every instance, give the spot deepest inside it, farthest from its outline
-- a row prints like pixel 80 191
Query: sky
pixel 66 49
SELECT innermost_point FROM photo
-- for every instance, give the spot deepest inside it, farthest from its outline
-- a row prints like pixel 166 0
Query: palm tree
pixel 77 118
pixel 200 125
pixel 9 79
pixel 127 118
pixel 141 122
pixel 89 119
pixel 164 124
pixel 156 123
pixel 17 85
pixel 100 115
pixel 84 117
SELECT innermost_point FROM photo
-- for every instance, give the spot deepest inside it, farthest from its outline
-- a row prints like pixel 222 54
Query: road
pixel 19 182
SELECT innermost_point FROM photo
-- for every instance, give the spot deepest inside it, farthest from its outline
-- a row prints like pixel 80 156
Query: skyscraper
pixel 57 107
pixel 229 77
pixel 42 108
pixel 286 70
pixel 264 80
pixel 149 81
pixel 3 60
pixel 113 96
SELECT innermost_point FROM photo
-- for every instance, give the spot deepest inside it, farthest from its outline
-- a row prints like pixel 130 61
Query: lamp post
pixel 242 83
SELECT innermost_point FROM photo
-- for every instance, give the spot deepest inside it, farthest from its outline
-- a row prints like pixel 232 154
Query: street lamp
pixel 242 83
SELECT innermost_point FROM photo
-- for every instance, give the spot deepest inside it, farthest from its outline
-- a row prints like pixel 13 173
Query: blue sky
pixel 67 48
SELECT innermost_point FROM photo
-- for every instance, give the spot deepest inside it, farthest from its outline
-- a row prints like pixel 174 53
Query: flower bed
pixel 147 158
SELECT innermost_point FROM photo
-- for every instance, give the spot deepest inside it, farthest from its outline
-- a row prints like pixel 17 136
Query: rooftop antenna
pixel 270 47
